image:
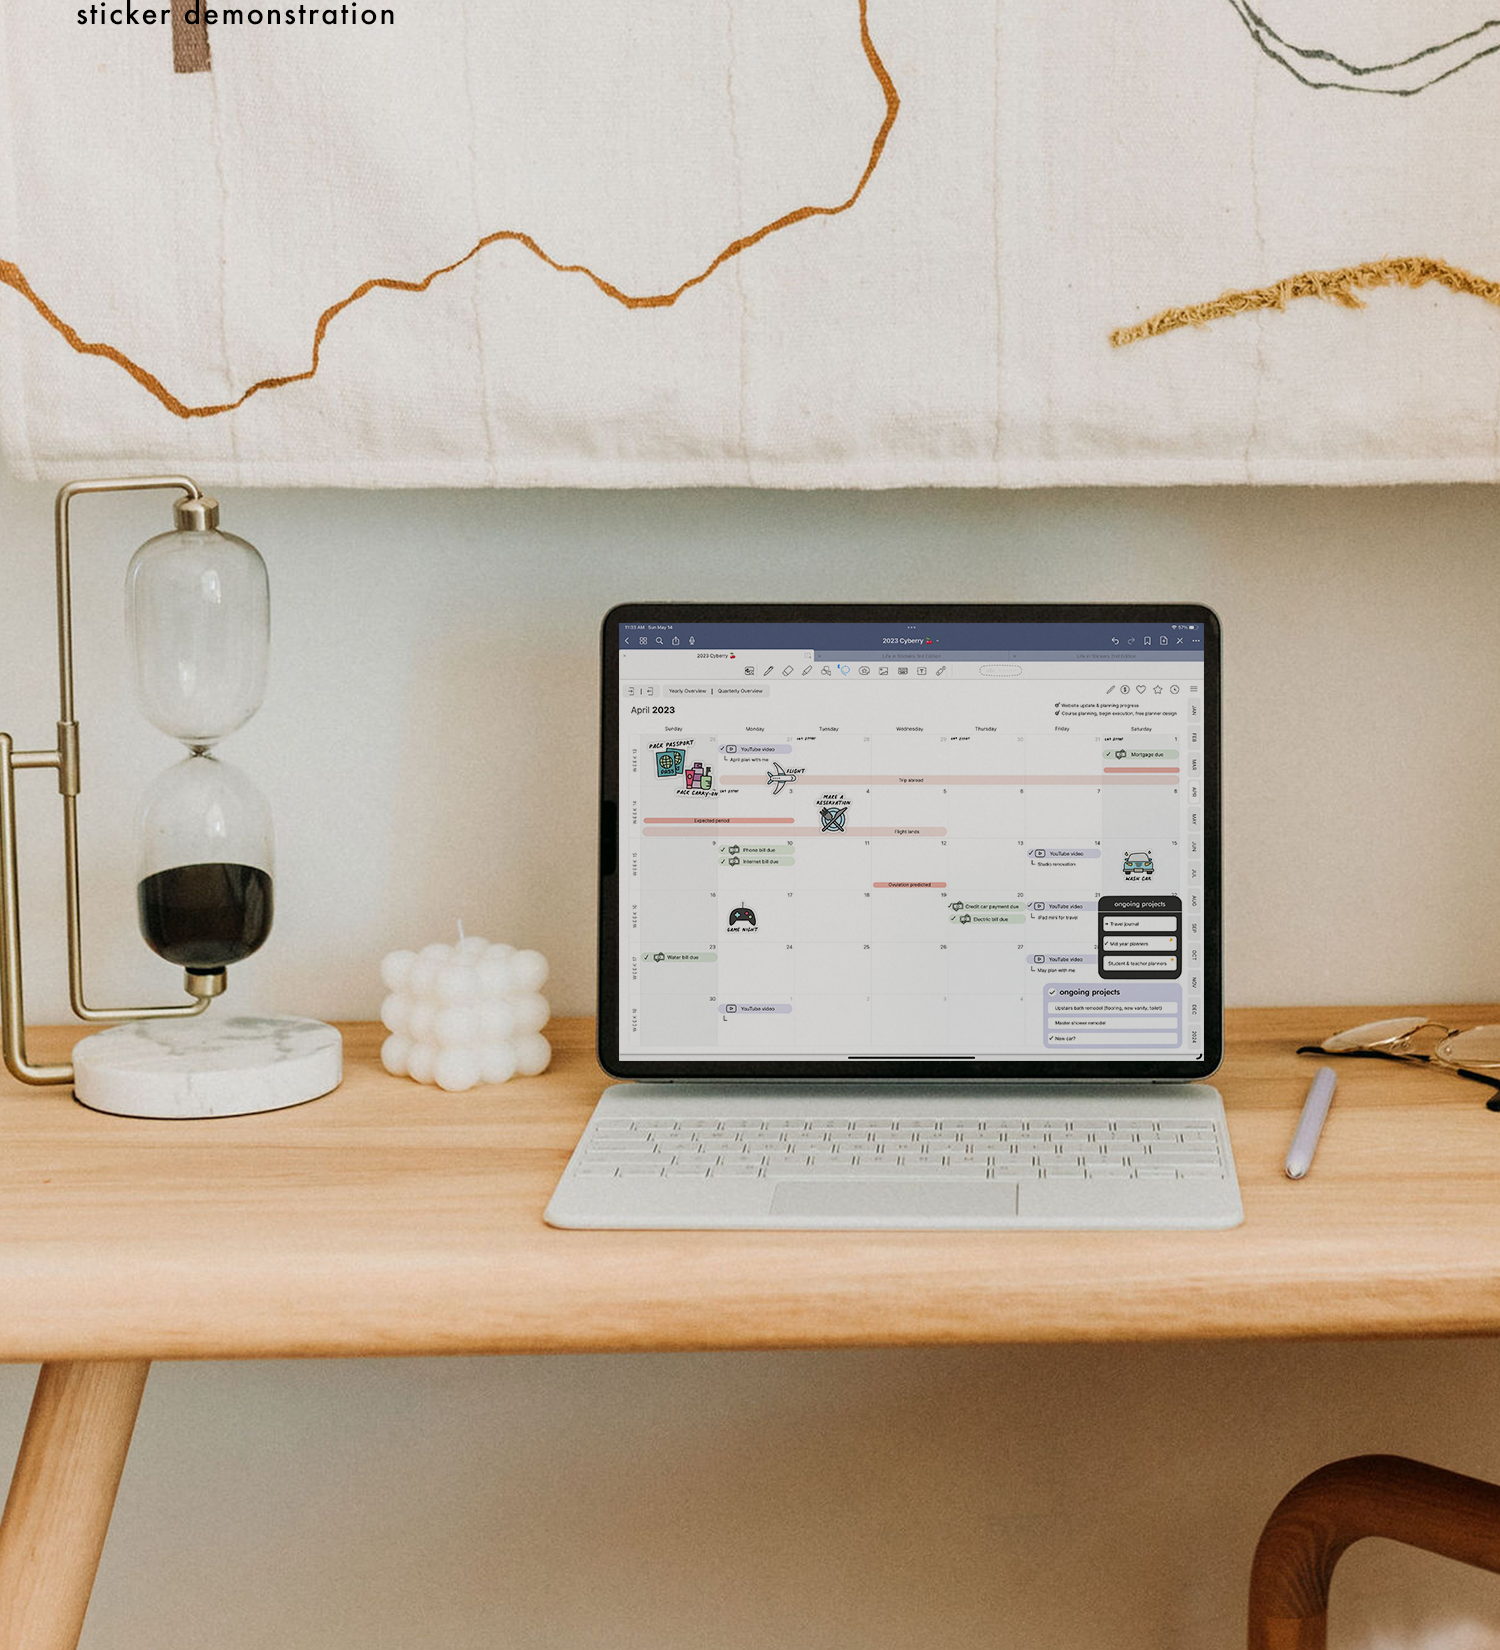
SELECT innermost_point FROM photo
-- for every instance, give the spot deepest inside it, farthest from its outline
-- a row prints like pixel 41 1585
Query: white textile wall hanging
pixel 777 242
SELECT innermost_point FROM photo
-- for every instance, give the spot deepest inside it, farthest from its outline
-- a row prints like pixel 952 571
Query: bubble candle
pixel 460 1015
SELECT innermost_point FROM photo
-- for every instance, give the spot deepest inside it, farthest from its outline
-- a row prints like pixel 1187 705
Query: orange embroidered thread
pixel 1342 286
pixel 11 276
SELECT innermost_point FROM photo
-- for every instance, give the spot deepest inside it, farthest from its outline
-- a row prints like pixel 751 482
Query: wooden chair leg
pixel 61 1498
pixel 1331 1509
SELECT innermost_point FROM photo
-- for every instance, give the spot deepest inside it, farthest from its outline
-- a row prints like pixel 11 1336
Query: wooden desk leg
pixel 61 1495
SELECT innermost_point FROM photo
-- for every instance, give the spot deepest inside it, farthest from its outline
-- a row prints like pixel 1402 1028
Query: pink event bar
pixel 1112 776
pixel 908 884
pixel 800 830
pixel 715 819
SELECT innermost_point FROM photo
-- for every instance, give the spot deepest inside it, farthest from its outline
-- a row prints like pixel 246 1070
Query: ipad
pixel 910 841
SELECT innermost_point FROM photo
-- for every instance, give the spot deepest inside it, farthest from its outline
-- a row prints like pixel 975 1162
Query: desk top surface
pixel 392 1219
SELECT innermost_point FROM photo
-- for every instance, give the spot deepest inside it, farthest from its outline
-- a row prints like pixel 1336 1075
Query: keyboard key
pixel 640 1168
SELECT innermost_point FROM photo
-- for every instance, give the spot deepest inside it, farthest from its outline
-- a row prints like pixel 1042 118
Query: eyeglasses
pixel 1413 1037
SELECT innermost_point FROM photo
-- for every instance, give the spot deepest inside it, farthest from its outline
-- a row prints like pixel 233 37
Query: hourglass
pixel 198 610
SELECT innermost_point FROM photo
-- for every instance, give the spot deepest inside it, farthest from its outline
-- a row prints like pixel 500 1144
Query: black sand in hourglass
pixel 205 917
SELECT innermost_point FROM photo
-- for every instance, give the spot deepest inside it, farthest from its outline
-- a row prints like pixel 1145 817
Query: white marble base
pixel 215 1066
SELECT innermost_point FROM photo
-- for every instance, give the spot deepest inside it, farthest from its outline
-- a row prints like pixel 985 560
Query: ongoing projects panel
pixel 824 864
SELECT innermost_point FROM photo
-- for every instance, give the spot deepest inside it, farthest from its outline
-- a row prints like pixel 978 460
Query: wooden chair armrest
pixel 1332 1508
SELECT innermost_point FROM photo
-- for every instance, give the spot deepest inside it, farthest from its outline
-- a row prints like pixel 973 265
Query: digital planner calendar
pixel 977 841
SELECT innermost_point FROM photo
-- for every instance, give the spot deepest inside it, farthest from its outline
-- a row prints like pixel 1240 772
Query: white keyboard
pixel 777 1148
pixel 1136 1156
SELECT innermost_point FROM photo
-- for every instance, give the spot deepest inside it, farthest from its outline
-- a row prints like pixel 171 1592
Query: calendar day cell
pixel 912 965
pixel 669 863
pixel 996 868
pixel 832 914
pixel 985 1020
pixel 831 862
pixel 759 971
pixel 994 969
pixel 834 1023
pixel 909 1024
pixel 909 859
pixel 1064 809
pixel 686 922
pixel 685 1021
pixel 986 811
pixel 827 965
pixel 908 914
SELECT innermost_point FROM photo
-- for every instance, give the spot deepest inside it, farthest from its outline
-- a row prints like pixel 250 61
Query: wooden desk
pixel 389 1219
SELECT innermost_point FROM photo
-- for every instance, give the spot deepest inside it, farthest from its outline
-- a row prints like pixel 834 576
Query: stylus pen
pixel 1299 1154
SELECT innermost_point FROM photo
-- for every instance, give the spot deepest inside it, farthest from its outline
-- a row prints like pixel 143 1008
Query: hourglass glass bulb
pixel 199 610
pixel 205 891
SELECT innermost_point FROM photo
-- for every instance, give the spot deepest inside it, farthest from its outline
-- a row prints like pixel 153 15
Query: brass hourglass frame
pixel 193 509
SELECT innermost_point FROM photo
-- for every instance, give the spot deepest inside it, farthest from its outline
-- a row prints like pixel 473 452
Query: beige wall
pixel 429 747
pixel 986 1499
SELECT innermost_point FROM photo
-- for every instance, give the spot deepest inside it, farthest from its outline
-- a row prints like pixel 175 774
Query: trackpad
pixel 886 1200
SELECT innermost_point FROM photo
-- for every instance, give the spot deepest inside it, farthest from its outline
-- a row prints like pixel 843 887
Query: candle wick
pixel 460 930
